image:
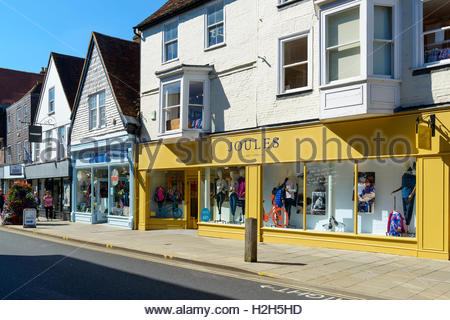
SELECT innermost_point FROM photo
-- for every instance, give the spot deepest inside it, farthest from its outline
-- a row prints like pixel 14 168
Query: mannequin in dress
pixel 220 191
pixel 290 192
pixel 241 193
pixel 408 189
pixel 233 193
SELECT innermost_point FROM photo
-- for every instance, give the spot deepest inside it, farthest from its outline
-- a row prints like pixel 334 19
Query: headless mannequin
pixel 290 192
pixel 220 191
pixel 233 193
pixel 241 193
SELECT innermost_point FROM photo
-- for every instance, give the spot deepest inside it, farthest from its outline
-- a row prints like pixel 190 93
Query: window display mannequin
pixel 241 193
pixel 159 196
pixel 233 197
pixel 408 191
pixel 175 195
pixel 220 189
pixel 290 186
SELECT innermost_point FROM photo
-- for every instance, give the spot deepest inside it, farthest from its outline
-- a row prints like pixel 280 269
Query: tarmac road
pixel 33 268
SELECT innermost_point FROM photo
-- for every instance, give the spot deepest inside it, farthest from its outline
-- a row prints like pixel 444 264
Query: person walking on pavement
pixel 38 204
pixel 2 200
pixel 48 205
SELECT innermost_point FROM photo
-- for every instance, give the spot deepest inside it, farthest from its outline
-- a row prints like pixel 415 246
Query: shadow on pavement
pixel 69 278
pixel 284 263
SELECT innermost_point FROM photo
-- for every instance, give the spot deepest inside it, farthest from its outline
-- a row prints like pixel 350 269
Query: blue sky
pixel 30 29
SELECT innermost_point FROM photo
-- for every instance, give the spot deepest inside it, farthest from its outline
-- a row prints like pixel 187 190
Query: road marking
pixel 109 246
pixel 310 294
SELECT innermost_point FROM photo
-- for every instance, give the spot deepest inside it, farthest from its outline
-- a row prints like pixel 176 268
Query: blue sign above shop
pixel 15 170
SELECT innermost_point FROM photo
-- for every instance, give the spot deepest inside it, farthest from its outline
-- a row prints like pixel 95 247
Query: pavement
pixel 353 273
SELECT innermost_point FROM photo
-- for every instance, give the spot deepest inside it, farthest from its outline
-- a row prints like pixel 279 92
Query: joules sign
pixel 254 144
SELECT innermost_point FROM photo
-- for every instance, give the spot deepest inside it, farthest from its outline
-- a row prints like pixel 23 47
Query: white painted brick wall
pixel 248 97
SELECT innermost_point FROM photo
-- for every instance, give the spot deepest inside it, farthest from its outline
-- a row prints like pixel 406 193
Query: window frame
pixel 19 151
pixel 98 123
pixel 37 152
pixel 8 122
pixel 51 101
pixel 8 154
pixel 281 66
pixel 162 109
pixel 164 43
pixel 18 118
pixel 418 42
pixel 362 5
pixel 206 27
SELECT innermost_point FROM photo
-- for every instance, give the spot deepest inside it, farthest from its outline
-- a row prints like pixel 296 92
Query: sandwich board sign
pixel 29 218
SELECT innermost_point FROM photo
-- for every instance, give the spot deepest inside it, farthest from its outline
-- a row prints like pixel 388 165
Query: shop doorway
pixel 101 207
pixel 192 217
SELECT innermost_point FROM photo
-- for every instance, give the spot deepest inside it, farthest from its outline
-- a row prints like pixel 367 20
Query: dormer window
pixel 184 101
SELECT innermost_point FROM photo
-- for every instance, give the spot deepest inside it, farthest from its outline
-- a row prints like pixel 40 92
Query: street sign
pixel 29 218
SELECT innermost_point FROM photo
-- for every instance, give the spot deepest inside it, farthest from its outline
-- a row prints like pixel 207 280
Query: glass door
pixel 101 194
pixel 193 204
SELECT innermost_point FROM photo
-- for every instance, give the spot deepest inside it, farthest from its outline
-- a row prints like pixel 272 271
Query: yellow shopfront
pixel 379 184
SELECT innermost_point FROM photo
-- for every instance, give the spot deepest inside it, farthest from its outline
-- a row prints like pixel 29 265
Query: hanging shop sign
pixel 35 134
pixel 115 177
pixel 424 134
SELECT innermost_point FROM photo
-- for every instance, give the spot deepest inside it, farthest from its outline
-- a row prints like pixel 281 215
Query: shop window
pixel 343 47
pixel 215 21
pixel 83 197
pixel 295 63
pixel 167 194
pixel 170 46
pixel 436 31
pixel 223 195
pixel 101 207
pixel 386 197
pixel 329 196
pixel 120 185
pixel 283 196
pixel 383 44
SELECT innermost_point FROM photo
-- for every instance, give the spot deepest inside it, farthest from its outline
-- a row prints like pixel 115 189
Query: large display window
pixel 120 191
pixel 223 195
pixel 329 190
pixel 283 196
pixel 386 197
pixel 83 196
pixel 167 194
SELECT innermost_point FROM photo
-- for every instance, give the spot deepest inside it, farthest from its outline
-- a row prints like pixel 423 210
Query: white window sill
pixel 96 129
pixel 294 91
pixel 169 61
pixel 217 46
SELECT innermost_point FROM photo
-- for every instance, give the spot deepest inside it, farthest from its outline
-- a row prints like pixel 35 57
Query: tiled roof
pixel 170 9
pixel 122 63
pixel 69 70
pixel 15 84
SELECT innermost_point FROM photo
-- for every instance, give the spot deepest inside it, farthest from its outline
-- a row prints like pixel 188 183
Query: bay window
pixel 435 33
pixel 360 57
pixel 295 63
pixel 343 47
pixel 184 101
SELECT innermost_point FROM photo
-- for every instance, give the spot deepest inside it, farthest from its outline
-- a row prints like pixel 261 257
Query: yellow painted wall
pixel 294 143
